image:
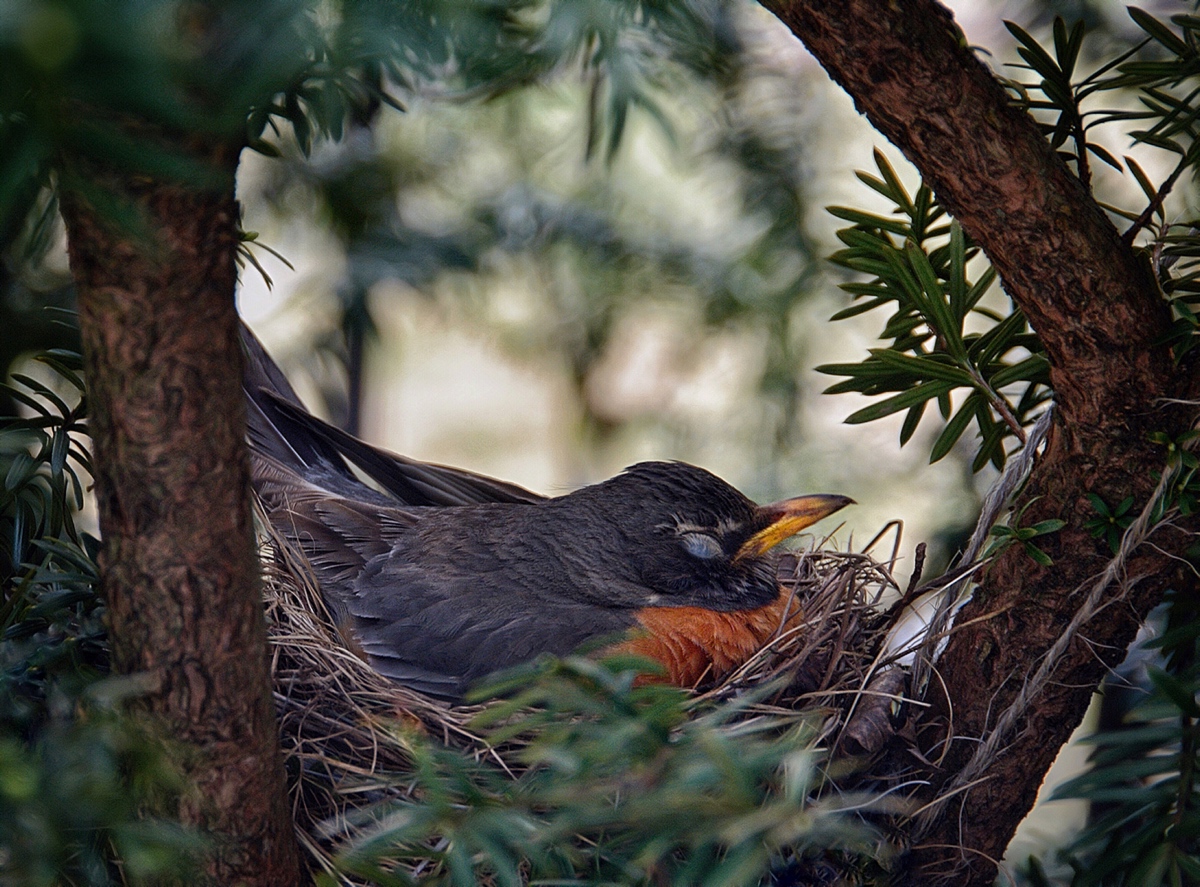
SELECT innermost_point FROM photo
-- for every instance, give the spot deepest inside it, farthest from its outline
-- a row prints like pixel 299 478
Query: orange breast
pixel 695 644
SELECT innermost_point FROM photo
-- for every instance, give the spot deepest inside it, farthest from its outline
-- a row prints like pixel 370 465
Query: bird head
pixel 701 541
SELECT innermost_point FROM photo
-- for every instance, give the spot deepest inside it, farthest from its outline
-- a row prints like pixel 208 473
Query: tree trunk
pixel 180 575
pixel 1098 312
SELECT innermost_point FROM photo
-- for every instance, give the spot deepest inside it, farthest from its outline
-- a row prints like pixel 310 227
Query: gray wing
pixel 338 534
pixel 439 597
pixel 439 631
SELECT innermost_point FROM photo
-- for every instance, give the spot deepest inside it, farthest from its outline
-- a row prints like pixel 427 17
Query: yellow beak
pixel 787 518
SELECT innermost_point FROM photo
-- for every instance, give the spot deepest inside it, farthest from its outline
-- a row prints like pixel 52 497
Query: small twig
pixel 1156 204
pixel 1079 133
pixel 918 568
pixel 898 526
pixel 999 404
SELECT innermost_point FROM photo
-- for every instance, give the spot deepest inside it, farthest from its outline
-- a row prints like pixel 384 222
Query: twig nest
pixel 348 732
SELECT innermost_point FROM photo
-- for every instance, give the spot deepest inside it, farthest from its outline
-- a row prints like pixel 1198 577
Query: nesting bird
pixel 442 576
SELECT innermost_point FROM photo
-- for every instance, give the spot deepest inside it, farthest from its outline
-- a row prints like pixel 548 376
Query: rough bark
pixel 1096 309
pixel 179 572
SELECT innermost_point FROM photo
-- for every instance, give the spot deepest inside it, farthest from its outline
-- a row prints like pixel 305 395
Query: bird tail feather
pixel 282 429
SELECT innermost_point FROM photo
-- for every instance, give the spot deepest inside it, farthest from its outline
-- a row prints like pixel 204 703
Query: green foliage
pixel 624 784
pixel 1014 533
pixel 917 263
pixel 74 770
pixel 1142 777
pixel 915 259
pixel 1165 81
pixel 47 568
pixel 1166 77
pixel 1110 524
pixel 58 99
pixel 1060 95
pixel 1184 491
pixel 71 789
pixel 42 458
pixel 256 65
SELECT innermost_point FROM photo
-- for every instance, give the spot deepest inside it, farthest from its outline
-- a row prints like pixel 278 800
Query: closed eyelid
pixel 701 545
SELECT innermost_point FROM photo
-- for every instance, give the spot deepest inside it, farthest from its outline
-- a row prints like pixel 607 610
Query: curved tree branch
pixel 1097 310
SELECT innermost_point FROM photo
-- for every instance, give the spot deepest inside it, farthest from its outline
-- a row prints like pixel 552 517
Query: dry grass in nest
pixel 346 729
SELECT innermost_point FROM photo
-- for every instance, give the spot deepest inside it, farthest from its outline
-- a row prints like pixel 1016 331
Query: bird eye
pixel 701 545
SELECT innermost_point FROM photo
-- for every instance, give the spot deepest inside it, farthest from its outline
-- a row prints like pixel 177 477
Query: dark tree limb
pixel 1096 308
pixel 180 575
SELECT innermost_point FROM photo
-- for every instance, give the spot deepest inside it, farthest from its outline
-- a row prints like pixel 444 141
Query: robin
pixel 442 576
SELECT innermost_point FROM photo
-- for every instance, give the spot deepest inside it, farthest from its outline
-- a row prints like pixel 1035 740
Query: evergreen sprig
pixel 74 768
pixel 1142 777
pixel 624 784
pixel 918 263
pixel 1058 96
